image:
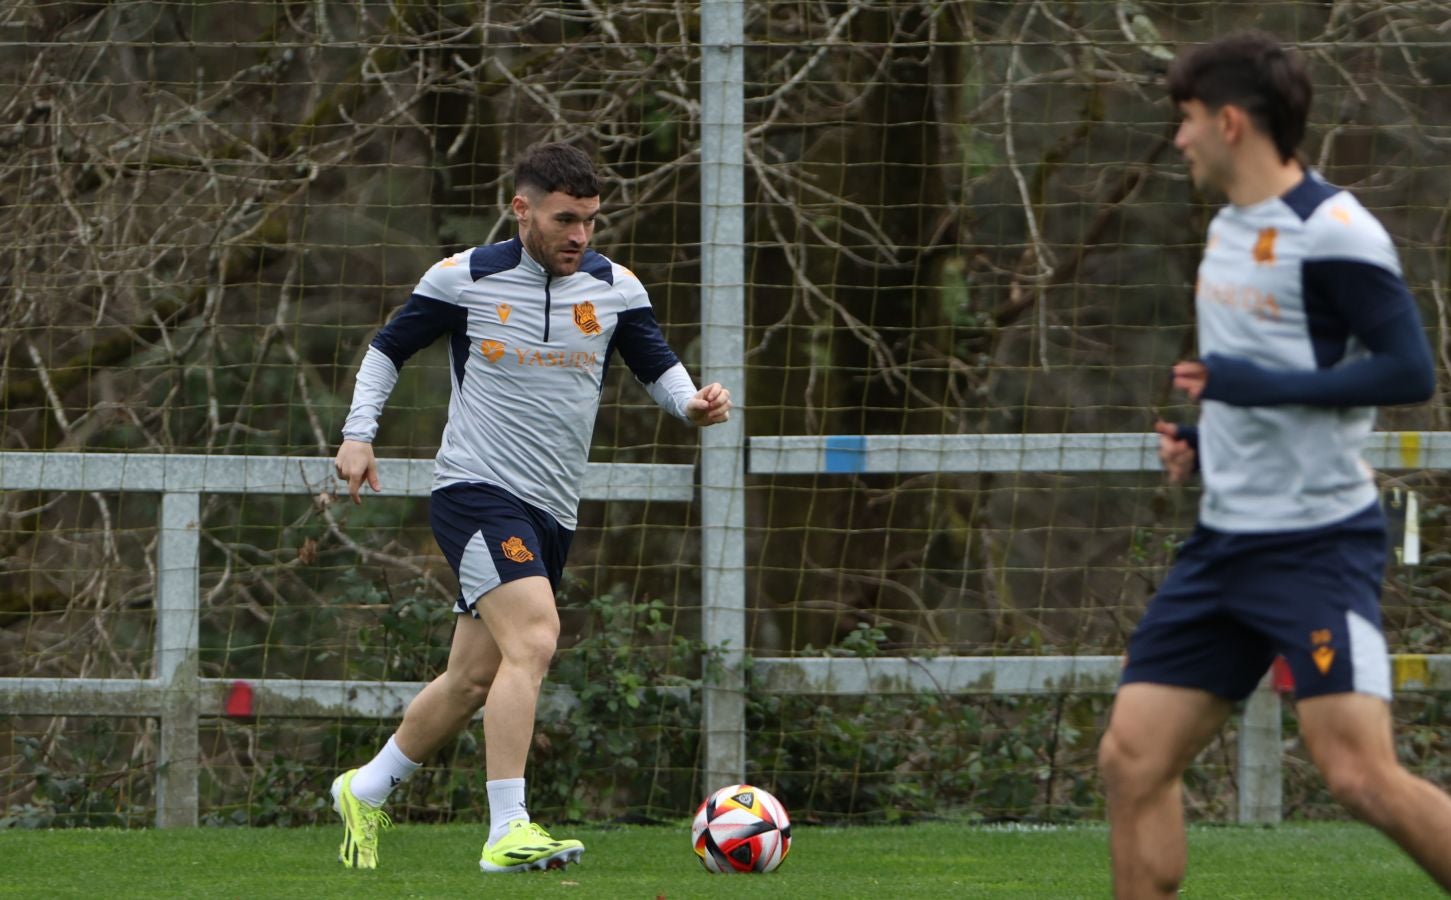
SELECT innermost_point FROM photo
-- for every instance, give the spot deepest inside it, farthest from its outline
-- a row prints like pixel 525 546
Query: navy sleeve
pixel 1343 298
pixel 1190 435
pixel 641 345
pixel 421 322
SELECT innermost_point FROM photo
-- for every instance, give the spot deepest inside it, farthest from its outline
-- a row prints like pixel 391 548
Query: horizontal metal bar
pixel 1098 452
pixel 1007 675
pixel 293 698
pixel 882 454
pixel 295 475
pixel 277 698
pixel 81 696
pixel 323 699
pixel 944 674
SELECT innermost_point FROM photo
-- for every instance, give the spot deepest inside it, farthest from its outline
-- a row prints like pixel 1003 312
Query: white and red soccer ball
pixel 741 828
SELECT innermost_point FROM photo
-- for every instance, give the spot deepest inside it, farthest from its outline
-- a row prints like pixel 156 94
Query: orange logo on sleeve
pixel 584 317
pixel 493 350
pixel 450 261
pixel 515 551
pixel 1339 214
pixel 1264 249
pixel 504 310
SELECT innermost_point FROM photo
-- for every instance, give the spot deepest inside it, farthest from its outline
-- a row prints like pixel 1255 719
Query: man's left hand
pixel 1191 377
pixel 711 405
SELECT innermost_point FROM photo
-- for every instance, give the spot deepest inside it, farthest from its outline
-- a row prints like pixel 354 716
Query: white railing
pixel 176 694
pixel 1260 777
pixel 178 697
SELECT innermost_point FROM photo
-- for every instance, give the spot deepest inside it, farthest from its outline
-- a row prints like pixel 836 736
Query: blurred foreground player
pixel 1304 325
pixel 531 324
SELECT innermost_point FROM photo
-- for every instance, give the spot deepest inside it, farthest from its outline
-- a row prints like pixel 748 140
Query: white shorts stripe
pixel 1370 663
pixel 477 574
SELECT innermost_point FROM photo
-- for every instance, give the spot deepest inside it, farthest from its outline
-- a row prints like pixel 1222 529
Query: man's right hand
pixel 355 463
pixel 1175 453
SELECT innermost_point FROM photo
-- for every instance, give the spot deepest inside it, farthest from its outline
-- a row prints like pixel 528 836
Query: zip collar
pixel 529 263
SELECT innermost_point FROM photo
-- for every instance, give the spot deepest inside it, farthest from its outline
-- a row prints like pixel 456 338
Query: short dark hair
pixel 1252 71
pixel 557 167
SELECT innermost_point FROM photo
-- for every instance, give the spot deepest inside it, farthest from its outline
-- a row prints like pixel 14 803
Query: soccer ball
pixel 741 828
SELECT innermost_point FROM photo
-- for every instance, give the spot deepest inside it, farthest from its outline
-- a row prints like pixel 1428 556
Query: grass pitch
pixel 883 863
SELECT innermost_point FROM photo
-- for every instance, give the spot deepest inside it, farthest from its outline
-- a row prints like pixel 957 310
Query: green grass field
pixel 927 860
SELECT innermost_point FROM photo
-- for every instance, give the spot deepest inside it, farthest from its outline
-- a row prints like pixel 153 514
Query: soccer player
pixel 531 324
pixel 1304 325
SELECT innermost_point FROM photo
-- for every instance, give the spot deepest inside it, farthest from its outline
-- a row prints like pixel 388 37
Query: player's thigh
pixel 522 617
pixel 1187 637
pixel 474 654
pixel 1347 734
pixel 1156 730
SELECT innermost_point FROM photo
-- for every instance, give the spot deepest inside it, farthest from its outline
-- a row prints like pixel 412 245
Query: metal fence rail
pixel 965 453
pixel 176 694
pixel 179 697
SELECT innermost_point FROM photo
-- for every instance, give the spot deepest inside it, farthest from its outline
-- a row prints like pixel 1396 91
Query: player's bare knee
pixel 470 688
pixel 1110 758
pixel 1120 766
pixel 534 648
pixel 1130 769
pixel 1359 786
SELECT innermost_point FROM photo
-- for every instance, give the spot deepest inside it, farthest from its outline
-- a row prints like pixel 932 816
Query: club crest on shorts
pixel 515 551
pixel 1323 654
pixel 584 318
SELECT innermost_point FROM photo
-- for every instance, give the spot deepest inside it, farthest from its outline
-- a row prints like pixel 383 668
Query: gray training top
pixel 1305 325
pixel 529 352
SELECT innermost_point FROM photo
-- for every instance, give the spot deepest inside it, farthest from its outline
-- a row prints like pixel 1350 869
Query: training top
pixel 1305 325
pixel 528 354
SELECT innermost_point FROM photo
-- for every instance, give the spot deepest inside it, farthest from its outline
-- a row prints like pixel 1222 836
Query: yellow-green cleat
pixel 361 824
pixel 527 846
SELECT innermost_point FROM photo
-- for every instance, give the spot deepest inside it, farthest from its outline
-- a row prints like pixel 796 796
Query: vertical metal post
pixel 1260 751
pixel 178 563
pixel 722 304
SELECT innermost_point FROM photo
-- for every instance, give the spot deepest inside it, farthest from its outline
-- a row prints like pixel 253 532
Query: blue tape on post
pixel 846 453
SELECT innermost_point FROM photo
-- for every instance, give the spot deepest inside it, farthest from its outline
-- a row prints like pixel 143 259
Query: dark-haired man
pixel 1305 325
pixel 531 323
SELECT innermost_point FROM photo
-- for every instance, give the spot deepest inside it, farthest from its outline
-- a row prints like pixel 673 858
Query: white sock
pixel 506 803
pixel 390 768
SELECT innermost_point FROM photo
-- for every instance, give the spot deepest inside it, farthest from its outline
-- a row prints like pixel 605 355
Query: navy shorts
pixel 490 536
pixel 1232 602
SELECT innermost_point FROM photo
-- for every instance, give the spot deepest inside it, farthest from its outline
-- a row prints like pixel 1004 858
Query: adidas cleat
pixel 527 846
pixel 361 824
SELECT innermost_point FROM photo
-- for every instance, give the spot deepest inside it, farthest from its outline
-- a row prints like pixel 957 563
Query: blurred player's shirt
pixel 1288 285
pixel 528 354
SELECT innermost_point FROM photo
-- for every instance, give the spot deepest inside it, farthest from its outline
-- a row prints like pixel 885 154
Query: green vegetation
pixel 926 860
